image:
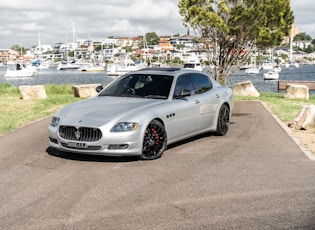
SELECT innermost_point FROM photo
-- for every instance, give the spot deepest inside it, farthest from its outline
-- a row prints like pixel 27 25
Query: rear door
pixel 187 109
pixel 209 99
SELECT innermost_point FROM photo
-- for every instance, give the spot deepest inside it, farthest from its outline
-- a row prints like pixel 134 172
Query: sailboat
pixel 38 63
pixel 69 64
pixel 291 63
pixel 254 69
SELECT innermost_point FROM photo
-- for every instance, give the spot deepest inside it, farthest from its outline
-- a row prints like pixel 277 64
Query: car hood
pixel 100 110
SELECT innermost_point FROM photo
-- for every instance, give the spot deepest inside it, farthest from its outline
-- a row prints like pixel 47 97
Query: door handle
pixel 217 96
pixel 197 101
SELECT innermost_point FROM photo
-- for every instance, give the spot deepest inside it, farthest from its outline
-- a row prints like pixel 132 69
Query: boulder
pixel 85 91
pixel 295 91
pixel 245 89
pixel 32 92
pixel 305 119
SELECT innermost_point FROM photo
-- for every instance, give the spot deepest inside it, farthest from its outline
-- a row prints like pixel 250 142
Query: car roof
pixel 166 70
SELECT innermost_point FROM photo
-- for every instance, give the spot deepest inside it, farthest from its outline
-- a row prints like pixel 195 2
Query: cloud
pixel 22 21
pixel 304 15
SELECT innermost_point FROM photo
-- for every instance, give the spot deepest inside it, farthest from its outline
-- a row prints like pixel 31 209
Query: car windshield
pixel 140 85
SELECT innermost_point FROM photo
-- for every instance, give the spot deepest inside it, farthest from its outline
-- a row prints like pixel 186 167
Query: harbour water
pixel 303 73
pixel 54 76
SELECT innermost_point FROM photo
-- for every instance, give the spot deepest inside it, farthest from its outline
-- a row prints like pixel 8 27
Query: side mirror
pixel 185 93
pixel 99 88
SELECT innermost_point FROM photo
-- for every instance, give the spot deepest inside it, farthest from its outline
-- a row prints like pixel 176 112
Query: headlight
pixel 54 121
pixel 124 127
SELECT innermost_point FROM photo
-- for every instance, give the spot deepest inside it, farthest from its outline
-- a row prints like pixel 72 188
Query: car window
pixel 140 85
pixel 202 83
pixel 183 82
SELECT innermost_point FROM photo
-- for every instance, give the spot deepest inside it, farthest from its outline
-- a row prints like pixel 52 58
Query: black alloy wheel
pixel 223 120
pixel 154 142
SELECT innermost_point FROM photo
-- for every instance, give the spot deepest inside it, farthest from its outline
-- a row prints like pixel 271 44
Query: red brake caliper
pixel 157 136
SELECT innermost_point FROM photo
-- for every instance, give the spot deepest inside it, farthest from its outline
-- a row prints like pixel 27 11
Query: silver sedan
pixel 141 112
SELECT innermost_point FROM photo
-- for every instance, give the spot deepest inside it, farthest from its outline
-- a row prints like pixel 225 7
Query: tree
pixel 232 29
pixel 152 38
pixel 302 37
pixel 19 49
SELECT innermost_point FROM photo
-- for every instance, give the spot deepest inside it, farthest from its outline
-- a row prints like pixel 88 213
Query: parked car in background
pixel 143 111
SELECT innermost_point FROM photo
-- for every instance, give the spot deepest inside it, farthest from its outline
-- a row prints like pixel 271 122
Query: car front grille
pixel 80 134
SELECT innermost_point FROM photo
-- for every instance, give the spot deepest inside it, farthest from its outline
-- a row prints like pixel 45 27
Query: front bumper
pixel 111 144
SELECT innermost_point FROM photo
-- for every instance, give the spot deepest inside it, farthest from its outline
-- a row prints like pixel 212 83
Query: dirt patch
pixel 306 139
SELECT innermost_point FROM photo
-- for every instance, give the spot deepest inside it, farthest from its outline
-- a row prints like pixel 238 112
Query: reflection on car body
pixel 143 111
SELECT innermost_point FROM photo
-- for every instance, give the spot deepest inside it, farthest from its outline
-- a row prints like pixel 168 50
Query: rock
pixel 295 91
pixel 245 89
pixel 85 91
pixel 305 119
pixel 32 92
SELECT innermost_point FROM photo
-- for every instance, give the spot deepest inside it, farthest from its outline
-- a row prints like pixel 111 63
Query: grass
pixel 286 109
pixel 16 112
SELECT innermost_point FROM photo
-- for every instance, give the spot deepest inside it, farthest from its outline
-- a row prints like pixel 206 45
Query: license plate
pixel 77 145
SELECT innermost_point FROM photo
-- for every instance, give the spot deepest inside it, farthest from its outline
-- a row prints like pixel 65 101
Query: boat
pixel 38 64
pixel 193 64
pixel 17 70
pixel 68 65
pixel 252 70
pixel 157 64
pixel 267 65
pixel 91 68
pixel 277 68
pixel 122 64
pixel 271 75
pixel 245 66
pixel 291 62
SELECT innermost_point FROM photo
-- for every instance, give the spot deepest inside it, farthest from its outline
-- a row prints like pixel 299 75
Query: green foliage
pixel 128 48
pixel 302 37
pixel 71 53
pixel 19 49
pixel 232 30
pixel 152 38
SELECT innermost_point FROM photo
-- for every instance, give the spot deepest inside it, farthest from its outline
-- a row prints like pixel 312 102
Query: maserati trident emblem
pixel 77 134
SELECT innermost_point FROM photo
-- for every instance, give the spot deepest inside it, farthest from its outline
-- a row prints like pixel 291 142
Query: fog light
pixel 115 147
pixel 53 140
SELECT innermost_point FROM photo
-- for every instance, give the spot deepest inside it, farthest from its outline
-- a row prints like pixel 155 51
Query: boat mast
pixel 291 45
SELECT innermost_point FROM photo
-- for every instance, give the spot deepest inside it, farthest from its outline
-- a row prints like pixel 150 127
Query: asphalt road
pixel 256 177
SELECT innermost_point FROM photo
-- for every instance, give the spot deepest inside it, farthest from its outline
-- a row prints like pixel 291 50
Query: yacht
pixel 91 68
pixel 271 75
pixel 193 64
pixel 122 64
pixel 16 70
pixel 68 65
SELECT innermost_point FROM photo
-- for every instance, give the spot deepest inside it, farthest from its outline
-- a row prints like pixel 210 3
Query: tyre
pixel 154 141
pixel 223 121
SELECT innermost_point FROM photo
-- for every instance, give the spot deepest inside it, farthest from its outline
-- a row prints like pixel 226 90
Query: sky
pixel 50 21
